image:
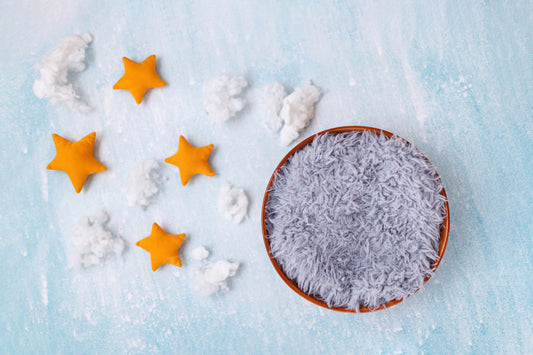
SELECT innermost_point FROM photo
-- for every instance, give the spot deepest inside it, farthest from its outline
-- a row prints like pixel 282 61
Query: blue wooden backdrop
pixel 453 77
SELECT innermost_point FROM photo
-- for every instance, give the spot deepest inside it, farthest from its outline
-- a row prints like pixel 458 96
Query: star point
pixel 191 160
pixel 163 247
pixel 76 159
pixel 139 77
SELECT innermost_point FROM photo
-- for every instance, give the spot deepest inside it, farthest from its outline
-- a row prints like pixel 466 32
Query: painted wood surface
pixel 454 78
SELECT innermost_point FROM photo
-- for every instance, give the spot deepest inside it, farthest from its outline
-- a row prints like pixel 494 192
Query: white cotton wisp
pixel 222 99
pixel 213 278
pixel 199 253
pixel 297 111
pixel 54 83
pixel 233 203
pixel 143 184
pixel 91 242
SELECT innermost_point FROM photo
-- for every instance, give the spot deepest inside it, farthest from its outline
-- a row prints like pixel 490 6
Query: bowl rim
pixel 445 230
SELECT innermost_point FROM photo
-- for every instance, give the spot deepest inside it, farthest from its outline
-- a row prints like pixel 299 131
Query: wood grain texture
pixel 454 78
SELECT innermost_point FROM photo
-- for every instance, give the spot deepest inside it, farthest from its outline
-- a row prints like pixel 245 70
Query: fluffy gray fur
pixel 354 219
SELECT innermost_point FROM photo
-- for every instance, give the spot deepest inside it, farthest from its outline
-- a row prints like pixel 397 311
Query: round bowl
pixel 443 236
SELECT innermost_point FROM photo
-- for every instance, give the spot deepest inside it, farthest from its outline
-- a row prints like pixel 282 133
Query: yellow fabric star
pixel 191 160
pixel 76 159
pixel 139 77
pixel 163 247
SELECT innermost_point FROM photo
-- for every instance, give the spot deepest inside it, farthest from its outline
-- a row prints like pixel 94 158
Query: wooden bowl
pixel 443 235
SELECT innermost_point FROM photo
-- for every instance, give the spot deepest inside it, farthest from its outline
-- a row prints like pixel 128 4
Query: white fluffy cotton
pixel 297 111
pixel 54 82
pixel 199 253
pixel 233 203
pixel 222 99
pixel 91 243
pixel 142 185
pixel 273 96
pixel 213 277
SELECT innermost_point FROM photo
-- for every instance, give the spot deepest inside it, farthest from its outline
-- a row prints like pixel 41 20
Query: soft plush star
pixel 163 247
pixel 76 159
pixel 191 160
pixel 139 77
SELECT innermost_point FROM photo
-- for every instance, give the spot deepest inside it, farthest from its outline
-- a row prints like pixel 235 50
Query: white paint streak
pixel 44 289
pixel 415 90
pixel 44 185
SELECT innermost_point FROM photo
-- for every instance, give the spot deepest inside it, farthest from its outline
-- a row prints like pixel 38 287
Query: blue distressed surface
pixel 455 78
